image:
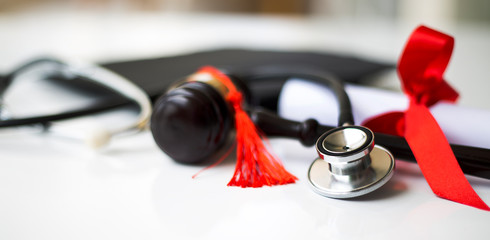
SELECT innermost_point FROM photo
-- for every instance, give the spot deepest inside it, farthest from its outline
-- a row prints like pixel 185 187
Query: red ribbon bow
pixel 421 68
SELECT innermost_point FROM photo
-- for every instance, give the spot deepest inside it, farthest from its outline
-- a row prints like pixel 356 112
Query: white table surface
pixel 55 188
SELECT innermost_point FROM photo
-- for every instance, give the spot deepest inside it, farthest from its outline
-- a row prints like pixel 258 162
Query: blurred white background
pixel 106 30
pixel 53 188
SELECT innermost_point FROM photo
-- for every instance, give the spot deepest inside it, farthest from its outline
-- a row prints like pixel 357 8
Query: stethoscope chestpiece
pixel 349 163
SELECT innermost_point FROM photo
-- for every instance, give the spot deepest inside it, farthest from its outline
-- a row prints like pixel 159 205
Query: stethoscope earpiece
pixel 349 163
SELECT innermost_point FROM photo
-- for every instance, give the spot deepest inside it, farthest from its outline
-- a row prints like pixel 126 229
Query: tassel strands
pixel 255 166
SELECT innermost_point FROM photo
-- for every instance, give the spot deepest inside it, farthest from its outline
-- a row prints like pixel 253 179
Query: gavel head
pixel 192 121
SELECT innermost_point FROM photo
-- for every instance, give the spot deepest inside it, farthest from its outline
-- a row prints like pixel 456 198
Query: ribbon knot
pixel 235 98
pixel 434 92
pixel 421 68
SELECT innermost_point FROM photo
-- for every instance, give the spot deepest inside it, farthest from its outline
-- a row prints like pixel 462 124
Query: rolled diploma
pixel 300 100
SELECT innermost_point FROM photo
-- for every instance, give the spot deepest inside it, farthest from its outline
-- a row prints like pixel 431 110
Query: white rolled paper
pixel 300 100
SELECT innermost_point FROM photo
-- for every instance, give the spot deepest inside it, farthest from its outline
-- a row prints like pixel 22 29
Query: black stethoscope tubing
pixel 45 120
pixel 331 82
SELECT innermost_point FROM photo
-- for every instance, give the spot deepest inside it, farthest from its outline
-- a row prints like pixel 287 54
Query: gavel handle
pixel 472 160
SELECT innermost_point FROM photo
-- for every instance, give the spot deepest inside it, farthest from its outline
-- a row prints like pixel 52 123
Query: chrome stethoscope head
pixel 349 163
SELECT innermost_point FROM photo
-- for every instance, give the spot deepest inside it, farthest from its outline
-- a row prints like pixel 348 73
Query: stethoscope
pixel 191 122
pixel 349 162
pixel 54 68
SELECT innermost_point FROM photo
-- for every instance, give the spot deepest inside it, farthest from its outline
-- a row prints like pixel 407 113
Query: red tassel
pixel 255 166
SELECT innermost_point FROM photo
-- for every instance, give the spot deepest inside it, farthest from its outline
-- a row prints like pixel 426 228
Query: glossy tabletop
pixel 54 187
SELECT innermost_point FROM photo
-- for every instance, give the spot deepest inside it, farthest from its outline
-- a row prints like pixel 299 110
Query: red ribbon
pixel 421 68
